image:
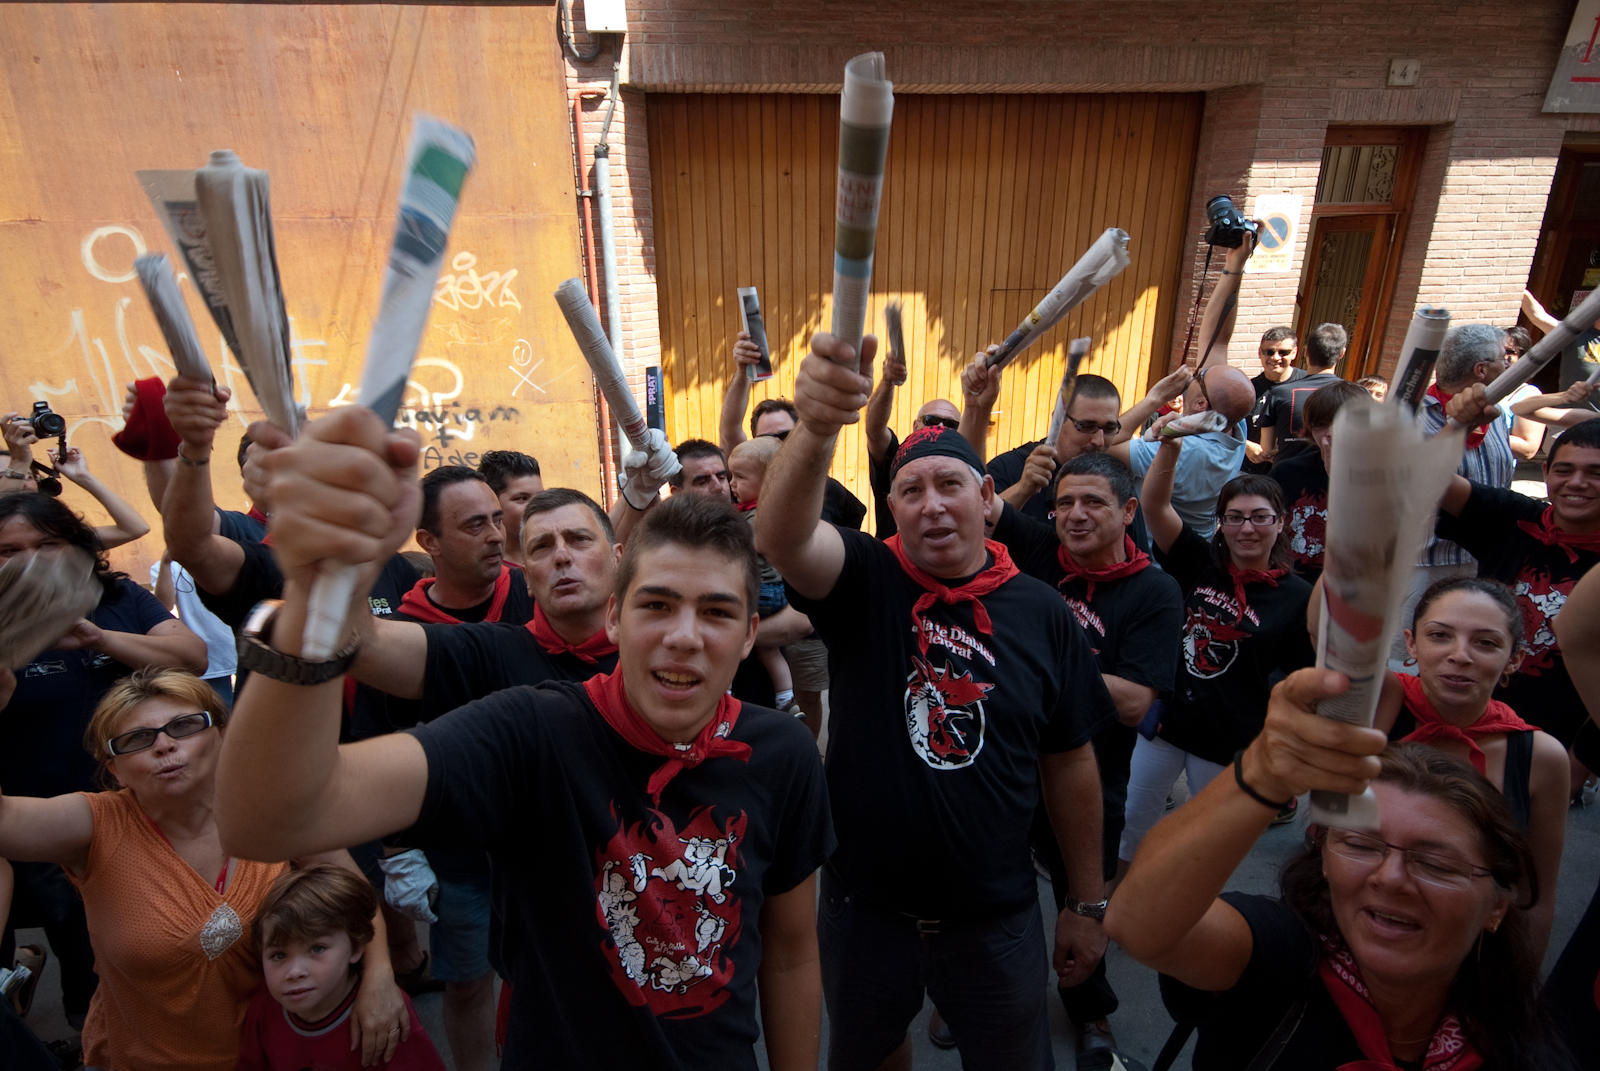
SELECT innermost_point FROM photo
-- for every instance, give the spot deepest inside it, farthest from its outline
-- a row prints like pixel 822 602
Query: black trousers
pixel 1113 752
pixel 44 897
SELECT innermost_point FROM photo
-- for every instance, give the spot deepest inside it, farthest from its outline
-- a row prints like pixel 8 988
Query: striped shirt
pixel 1490 462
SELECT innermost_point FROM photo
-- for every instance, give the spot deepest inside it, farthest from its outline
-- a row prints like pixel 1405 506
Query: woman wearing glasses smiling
pixel 1407 947
pixel 168 910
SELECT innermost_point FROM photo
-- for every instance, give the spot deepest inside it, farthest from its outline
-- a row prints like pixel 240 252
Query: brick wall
pixel 1275 76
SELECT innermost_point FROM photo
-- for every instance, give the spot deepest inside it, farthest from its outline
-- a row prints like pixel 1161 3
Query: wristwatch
pixel 1095 911
pixel 258 656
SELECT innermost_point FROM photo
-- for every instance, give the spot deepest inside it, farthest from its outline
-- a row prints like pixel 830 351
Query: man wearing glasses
pixel 883 443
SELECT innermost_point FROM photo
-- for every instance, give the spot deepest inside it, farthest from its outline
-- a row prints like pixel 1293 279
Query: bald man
pixel 883 443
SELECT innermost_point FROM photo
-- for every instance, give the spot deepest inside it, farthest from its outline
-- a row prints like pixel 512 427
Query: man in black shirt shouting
pixel 653 840
pixel 964 691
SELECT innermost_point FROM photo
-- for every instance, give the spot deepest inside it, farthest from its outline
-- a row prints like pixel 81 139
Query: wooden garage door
pixel 987 201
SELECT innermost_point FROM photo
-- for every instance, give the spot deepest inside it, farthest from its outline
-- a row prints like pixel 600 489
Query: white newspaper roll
pixel 1102 262
pixel 172 316
pixel 437 163
pixel 41 596
pixel 894 330
pixel 1418 354
pixel 585 325
pixel 172 195
pixel 866 108
pixel 1076 351
pixel 1384 487
pixel 1547 348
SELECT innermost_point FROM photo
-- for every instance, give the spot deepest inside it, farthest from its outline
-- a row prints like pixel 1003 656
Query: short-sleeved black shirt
pixel 841 507
pixel 933 760
pixel 1219 699
pixel 1283 405
pixel 631 932
pixel 516 610
pixel 878 479
pixel 1283 959
pixel 240 527
pixel 259 578
pixel 1305 494
pixel 43 725
pixel 1541 577
pixel 1133 624
pixel 1006 469
pixel 1261 385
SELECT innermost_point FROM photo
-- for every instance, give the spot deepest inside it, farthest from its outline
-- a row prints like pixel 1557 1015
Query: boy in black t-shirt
pixel 653 840
pixel 1304 479
pixel 1540 551
pixel 1133 618
pixel 1282 411
pixel 965 691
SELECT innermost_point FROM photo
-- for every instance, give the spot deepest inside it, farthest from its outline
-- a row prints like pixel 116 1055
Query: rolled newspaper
pixel 866 108
pixel 42 595
pixel 1101 263
pixel 1076 351
pixel 596 349
pixel 236 204
pixel 1542 352
pixel 1207 420
pixel 1384 486
pixel 1594 377
pixel 750 320
pixel 172 316
pixel 437 163
pixel 894 328
pixel 1420 351
pixel 172 195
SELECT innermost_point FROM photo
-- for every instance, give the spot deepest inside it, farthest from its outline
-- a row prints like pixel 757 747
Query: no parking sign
pixel 1279 214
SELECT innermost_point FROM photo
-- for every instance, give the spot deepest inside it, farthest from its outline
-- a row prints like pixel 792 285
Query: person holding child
pixel 747 464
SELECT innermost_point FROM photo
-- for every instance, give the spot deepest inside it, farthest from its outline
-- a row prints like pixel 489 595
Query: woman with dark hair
pixel 1403 947
pixel 45 706
pixel 1244 621
pixel 1466 638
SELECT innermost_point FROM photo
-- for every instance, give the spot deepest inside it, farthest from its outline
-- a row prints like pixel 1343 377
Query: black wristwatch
pixel 258 656
pixel 1089 911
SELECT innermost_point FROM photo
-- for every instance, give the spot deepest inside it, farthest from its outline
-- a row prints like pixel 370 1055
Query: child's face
pixel 744 477
pixel 310 978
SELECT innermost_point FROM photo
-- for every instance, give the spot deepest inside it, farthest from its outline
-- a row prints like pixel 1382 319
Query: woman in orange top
pixel 167 909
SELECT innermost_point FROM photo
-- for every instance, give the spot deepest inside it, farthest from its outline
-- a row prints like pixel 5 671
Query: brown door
pixel 1344 274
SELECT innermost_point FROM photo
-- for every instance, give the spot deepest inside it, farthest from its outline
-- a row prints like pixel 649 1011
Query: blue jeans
pixel 988 978
pixel 459 941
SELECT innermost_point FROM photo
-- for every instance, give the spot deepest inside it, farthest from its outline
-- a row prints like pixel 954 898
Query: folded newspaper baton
pixel 592 342
pixel 1076 351
pixel 866 108
pixel 172 316
pixel 1424 339
pixel 235 202
pixel 1594 377
pixel 1201 423
pixel 1545 350
pixel 1384 487
pixel 894 328
pixel 172 195
pixel 750 320
pixel 437 163
pixel 1101 263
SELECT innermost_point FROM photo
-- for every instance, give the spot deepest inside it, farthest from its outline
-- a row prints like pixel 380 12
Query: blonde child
pixel 747 466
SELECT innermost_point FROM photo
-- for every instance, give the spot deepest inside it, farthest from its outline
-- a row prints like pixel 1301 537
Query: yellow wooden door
pixel 987 201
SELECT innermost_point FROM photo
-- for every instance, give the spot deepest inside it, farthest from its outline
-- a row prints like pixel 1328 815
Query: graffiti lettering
pixel 100 271
pixel 433 457
pixel 464 288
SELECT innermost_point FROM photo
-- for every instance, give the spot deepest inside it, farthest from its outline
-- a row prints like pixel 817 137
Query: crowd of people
pixel 581 745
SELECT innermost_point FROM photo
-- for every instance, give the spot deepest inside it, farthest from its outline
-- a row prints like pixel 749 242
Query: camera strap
pixel 1194 311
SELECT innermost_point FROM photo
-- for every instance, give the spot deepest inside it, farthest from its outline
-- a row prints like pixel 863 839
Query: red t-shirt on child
pixel 274 1040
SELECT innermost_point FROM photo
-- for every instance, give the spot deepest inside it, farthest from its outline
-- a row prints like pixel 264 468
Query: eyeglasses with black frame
pixel 1259 519
pixel 176 729
pixel 1089 427
pixel 1430 868
pixel 929 420
pixel 1269 351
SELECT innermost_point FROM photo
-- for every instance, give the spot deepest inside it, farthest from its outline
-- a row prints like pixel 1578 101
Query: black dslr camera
pixel 47 424
pixel 1228 225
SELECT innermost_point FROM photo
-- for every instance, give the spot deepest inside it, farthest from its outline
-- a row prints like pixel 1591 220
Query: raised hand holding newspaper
pixel 1545 350
pixel 1076 351
pixel 172 316
pixel 437 163
pixel 750 320
pixel 236 203
pixel 1102 262
pixel 866 107
pixel 1384 486
pixel 41 596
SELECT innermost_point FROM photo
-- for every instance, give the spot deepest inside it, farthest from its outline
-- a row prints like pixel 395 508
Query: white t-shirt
pixel 222 652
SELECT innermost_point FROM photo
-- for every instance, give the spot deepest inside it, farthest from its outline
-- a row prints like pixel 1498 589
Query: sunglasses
pixel 931 421
pixel 1200 381
pixel 176 729
pixel 1089 427
pixel 1280 353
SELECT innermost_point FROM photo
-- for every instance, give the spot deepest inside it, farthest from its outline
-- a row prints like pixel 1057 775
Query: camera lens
pixel 49 425
pixel 1219 207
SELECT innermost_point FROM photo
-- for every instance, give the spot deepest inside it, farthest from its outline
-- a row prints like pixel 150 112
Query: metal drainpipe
pixel 586 214
pixel 608 235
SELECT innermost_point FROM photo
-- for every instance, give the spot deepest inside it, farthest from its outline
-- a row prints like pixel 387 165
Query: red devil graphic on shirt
pixel 944 714
pixel 1210 645
pixel 1540 600
pixel 663 898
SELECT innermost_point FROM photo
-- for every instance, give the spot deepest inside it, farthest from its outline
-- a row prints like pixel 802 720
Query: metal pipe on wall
pixel 608 233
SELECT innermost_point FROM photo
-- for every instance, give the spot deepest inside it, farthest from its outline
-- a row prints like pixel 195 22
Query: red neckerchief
pixel 1341 974
pixel 1546 532
pixel 417 604
pixel 1497 718
pixel 590 650
pixel 1137 562
pixel 745 507
pixel 1475 436
pixel 256 515
pixel 1241 577
pixel 935 591
pixel 609 698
